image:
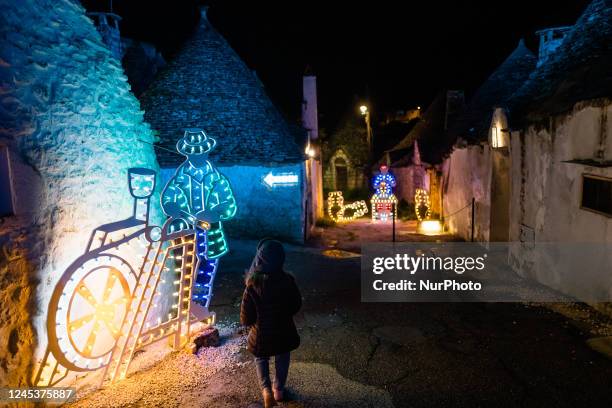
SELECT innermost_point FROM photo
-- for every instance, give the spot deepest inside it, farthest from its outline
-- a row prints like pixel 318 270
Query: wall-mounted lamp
pixel 310 151
pixel 497 138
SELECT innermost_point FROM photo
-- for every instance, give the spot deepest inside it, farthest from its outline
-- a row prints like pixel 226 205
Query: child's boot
pixel 268 398
pixel 279 394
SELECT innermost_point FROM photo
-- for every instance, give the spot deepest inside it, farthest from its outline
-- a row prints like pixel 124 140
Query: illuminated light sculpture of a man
pixel 199 195
pixel 384 202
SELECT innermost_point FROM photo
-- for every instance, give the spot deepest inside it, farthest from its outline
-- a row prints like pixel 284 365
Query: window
pixel 6 193
pixel 597 194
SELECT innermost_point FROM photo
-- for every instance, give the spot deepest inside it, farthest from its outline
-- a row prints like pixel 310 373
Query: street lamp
pixel 365 112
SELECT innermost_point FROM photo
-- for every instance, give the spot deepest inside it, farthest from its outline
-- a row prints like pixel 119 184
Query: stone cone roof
pixel 580 69
pixel 208 86
pixel 474 123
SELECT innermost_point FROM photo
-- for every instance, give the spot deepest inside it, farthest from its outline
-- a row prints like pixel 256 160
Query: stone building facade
pixel 345 156
pixel 478 166
pixel 561 161
pixel 540 171
pixel 70 130
pixel 208 86
pixel 342 174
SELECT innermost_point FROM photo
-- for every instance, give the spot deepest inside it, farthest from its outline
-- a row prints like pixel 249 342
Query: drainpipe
pixel 473 216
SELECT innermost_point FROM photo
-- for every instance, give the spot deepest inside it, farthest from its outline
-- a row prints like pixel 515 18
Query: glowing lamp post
pixel 363 109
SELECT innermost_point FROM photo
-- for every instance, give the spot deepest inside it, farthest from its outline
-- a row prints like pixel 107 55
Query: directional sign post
pixel 280 180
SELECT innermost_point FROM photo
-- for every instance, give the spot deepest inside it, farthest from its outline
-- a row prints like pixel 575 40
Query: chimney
pixel 550 40
pixel 204 16
pixel 107 25
pixel 310 120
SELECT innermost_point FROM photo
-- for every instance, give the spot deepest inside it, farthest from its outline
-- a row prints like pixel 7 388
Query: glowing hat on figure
pixel 195 142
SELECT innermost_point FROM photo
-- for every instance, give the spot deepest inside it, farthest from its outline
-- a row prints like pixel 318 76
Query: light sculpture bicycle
pixel 107 305
pixel 97 315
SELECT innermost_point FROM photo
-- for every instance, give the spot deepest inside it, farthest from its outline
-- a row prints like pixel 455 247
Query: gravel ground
pixel 224 376
pixel 175 376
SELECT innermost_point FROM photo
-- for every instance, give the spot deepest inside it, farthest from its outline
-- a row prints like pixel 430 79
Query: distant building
pixel 417 158
pixel 403 116
pixel 208 86
pixel 345 153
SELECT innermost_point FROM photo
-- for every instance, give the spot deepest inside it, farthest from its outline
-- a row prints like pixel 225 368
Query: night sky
pixel 397 55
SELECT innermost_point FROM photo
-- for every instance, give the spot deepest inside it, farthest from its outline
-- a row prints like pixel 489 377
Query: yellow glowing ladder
pixel 135 317
pixel 50 372
pixel 131 336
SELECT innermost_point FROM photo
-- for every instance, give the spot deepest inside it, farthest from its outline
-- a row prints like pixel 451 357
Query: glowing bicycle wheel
pixel 88 307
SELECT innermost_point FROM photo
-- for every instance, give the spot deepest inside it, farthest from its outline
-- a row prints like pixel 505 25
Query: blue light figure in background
pixel 199 195
pixel 384 202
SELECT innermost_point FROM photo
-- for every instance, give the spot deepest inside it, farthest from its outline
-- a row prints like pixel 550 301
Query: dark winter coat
pixel 269 301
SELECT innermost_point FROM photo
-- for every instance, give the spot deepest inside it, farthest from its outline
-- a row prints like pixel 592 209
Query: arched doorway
pixel 341 174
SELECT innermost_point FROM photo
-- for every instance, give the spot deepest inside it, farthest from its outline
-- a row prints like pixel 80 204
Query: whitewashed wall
pixel 407 181
pixel 546 197
pixel 467 175
pixel 73 129
pixel 263 211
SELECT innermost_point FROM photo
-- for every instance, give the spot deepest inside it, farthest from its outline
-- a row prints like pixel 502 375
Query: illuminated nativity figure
pixel 384 202
pixel 199 195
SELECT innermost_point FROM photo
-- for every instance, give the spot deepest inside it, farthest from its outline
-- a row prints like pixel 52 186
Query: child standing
pixel 269 302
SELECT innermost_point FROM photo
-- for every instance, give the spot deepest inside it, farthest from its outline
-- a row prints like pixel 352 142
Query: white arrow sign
pixel 282 179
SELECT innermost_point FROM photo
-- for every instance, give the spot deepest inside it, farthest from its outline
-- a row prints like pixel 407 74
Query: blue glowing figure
pixel 383 201
pixel 201 196
pixel 384 182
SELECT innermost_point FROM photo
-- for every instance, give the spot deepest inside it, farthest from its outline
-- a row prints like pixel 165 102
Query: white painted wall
pixel 262 211
pixel 467 174
pixel 409 178
pixel 73 129
pixel 546 197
